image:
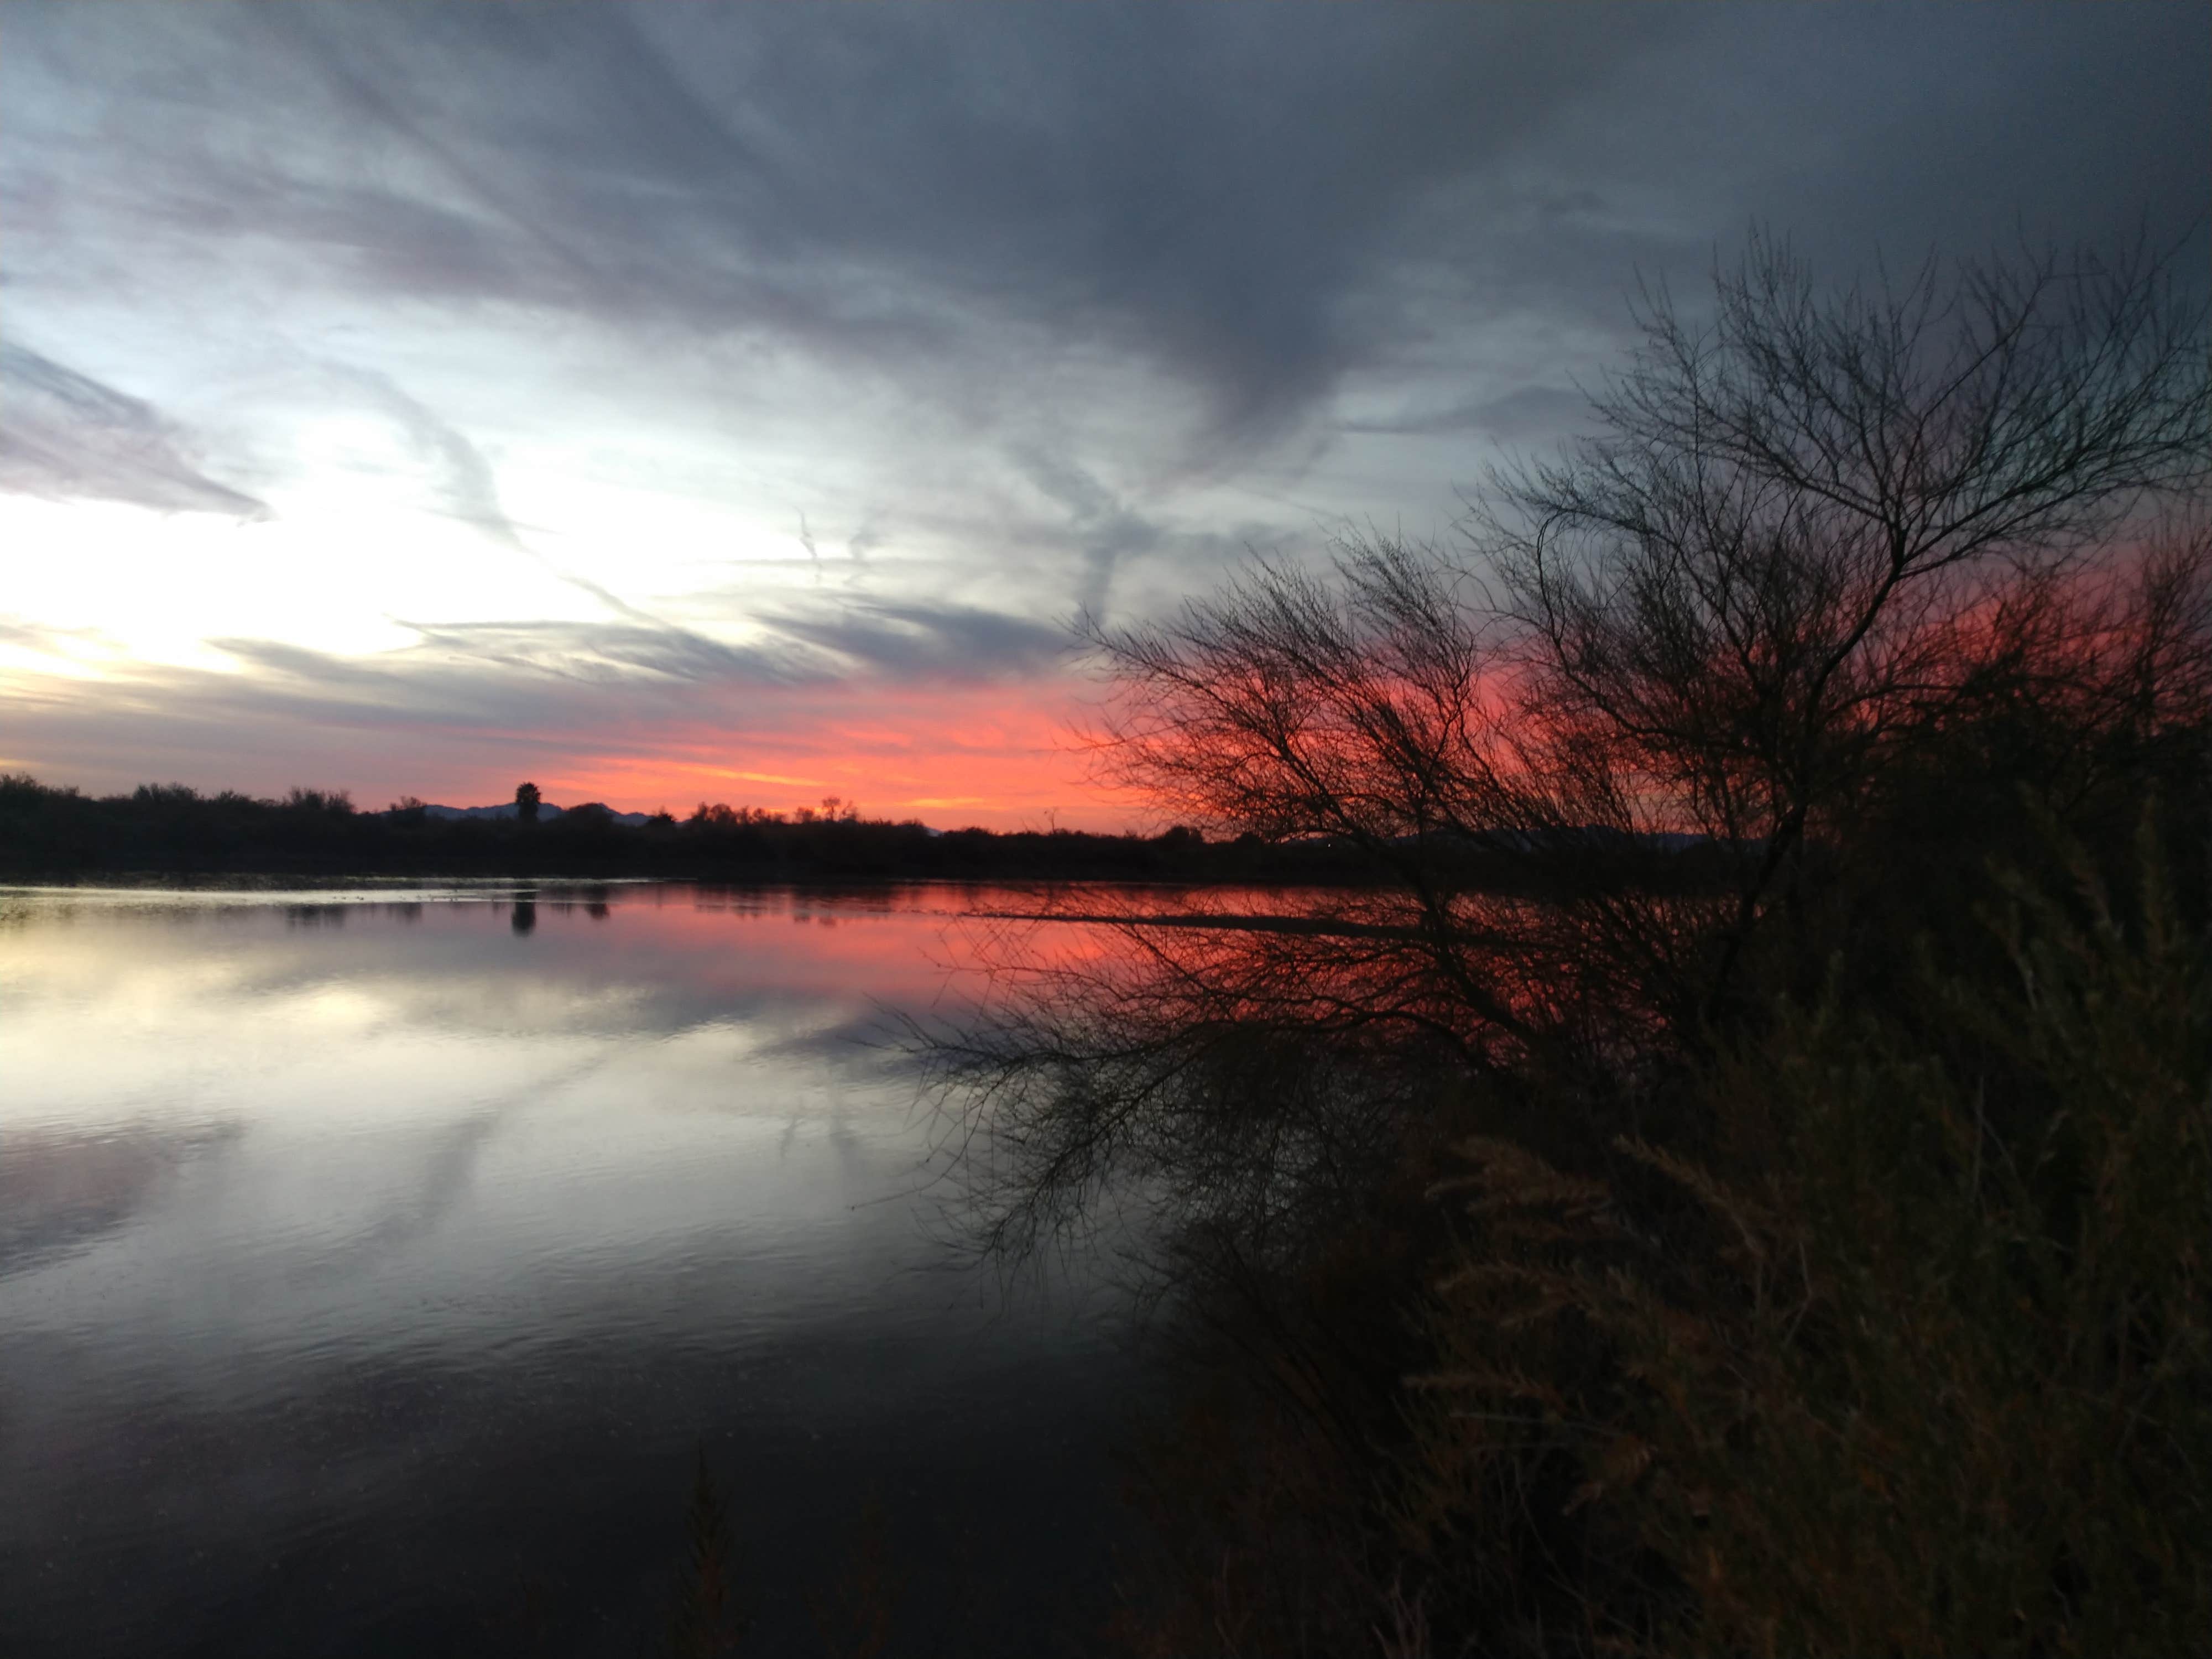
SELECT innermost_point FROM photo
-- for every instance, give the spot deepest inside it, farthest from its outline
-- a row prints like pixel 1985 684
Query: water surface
pixel 373 1264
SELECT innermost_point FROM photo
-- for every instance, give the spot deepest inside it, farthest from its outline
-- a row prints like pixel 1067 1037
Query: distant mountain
pixel 546 812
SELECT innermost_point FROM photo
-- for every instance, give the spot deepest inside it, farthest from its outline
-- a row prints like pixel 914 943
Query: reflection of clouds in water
pixel 439 1181
pixel 401 1037
pixel 445 1177
pixel 401 1033
pixel 61 1193
pixel 664 959
pixel 494 1225
pixel 865 1042
pixel 417 1206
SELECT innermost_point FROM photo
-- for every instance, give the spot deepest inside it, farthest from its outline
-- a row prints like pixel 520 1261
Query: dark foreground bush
pixel 1937 1378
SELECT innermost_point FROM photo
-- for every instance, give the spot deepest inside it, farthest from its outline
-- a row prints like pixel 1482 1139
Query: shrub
pixel 1927 1368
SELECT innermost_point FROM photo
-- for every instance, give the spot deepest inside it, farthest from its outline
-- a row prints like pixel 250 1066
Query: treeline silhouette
pixel 59 833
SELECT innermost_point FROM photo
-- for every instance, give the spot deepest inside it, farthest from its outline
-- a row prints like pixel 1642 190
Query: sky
pixel 680 402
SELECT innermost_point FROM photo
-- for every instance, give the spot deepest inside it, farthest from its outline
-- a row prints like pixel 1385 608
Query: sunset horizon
pixel 1222 830
pixel 1007 766
pixel 672 403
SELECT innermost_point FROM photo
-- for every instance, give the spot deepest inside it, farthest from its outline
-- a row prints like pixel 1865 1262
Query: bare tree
pixel 1597 753
pixel 1672 715
pixel 1802 528
pixel 1807 536
pixel 1642 743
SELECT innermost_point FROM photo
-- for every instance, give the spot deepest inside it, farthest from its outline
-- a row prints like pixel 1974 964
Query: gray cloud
pixel 914 639
pixel 1518 417
pixel 568 677
pixel 595 654
pixel 418 720
pixel 1207 190
pixel 66 436
pixel 1105 528
pixel 1254 203
pixel 798 642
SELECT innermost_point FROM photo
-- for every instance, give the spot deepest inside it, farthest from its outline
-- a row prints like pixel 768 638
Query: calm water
pixel 373 1264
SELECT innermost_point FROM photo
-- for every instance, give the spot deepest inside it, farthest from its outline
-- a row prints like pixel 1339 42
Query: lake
pixel 375 1265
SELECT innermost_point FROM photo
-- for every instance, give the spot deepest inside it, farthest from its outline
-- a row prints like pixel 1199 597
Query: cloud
pixel 1212 190
pixel 463 486
pixel 1191 225
pixel 66 436
pixel 590 653
pixel 939 200
pixel 915 639
pixel 1105 529
pixel 1532 412
pixel 462 482
pixel 799 641
pixel 567 676
pixel 40 637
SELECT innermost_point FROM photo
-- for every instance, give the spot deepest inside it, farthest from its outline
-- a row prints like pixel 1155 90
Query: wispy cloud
pixel 66 436
pixel 461 481
pixel 883 190
pixel 1516 417
pixel 1105 528
pixel 915 640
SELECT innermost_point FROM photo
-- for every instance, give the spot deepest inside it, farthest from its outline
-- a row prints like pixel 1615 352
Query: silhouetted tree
pixel 525 802
pixel 1671 727
pixel 1808 541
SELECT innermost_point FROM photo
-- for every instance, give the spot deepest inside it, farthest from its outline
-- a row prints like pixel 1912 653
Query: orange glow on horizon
pixel 1002 754
pixel 1005 757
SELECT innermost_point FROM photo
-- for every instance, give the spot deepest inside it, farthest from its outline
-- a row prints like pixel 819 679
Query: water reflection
pixel 357 1266
pixel 60 1192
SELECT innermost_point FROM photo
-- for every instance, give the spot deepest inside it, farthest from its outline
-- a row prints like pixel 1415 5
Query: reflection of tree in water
pixel 525 917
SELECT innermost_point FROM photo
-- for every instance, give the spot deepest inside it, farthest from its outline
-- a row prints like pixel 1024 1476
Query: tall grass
pixel 1925 1366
